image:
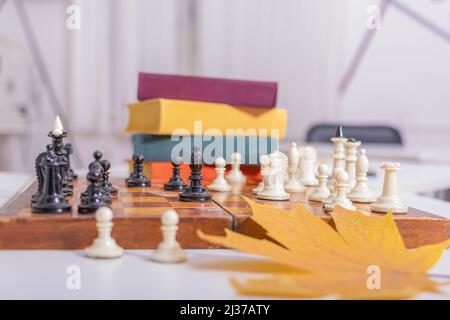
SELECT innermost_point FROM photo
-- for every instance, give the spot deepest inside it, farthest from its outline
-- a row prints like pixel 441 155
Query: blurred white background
pixel 307 46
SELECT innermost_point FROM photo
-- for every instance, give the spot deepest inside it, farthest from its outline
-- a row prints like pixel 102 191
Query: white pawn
pixel 169 250
pixel 361 192
pixel 389 200
pixel 293 184
pixel 104 246
pixel 235 174
pixel 308 163
pixel 322 192
pixel 341 193
pixel 220 184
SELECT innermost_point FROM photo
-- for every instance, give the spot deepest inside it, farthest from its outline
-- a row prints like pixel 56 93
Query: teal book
pixel 156 148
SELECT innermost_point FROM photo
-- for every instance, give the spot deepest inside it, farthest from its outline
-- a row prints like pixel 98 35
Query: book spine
pixel 164 116
pixel 156 148
pixel 233 92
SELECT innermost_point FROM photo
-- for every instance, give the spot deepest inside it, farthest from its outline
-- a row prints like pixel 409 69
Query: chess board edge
pixel 75 231
pixel 20 229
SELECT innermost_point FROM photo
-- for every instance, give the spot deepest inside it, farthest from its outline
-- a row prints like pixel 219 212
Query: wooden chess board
pixel 137 213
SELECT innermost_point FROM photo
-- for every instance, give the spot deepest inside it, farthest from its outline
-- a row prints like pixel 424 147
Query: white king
pixel 58 129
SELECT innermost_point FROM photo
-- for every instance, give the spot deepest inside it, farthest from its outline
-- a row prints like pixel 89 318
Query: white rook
pixel 389 200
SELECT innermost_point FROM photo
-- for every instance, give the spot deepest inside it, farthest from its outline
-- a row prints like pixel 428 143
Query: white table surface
pixel 43 274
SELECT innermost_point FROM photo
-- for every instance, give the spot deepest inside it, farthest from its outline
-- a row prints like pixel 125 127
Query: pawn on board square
pixel 341 193
pixel 235 175
pixel 220 184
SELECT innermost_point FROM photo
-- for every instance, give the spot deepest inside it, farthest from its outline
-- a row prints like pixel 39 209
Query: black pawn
pixel 175 182
pixel 51 199
pixel 195 192
pixel 137 177
pixel 94 196
pixel 106 185
pixel 97 157
pixel 71 175
pixel 94 165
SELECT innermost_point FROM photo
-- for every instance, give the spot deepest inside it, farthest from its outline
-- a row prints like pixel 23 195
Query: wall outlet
pixel 14 87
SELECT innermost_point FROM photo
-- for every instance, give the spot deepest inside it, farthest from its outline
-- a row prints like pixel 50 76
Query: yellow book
pixel 180 117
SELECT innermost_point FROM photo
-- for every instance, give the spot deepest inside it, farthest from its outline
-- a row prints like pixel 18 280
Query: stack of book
pixel 220 116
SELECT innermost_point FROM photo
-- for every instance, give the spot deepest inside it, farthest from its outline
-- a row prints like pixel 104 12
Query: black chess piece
pixel 97 157
pixel 339 132
pixel 40 172
pixel 71 175
pixel 58 150
pixel 95 196
pixel 195 192
pixel 106 185
pixel 137 177
pixel 94 165
pixel 51 198
pixel 176 181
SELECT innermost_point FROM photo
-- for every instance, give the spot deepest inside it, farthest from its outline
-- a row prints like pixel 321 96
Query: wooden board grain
pixel 416 227
pixel 137 213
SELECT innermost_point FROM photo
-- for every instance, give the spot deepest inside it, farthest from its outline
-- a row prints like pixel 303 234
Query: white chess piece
pixel 339 152
pixel 333 189
pixel 321 192
pixel 169 250
pixel 220 184
pixel 308 164
pixel 300 162
pixel 274 178
pixel 351 147
pixel 104 246
pixel 293 184
pixel 235 174
pixel 265 163
pixel 361 192
pixel 389 200
pixel 58 129
pixel 341 193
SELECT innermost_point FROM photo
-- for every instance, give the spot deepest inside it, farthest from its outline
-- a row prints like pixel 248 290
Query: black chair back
pixel 366 134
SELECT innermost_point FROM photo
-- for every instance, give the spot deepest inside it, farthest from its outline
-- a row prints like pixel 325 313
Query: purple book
pixel 234 92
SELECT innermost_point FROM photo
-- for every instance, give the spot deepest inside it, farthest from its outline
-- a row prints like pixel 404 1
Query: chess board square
pixel 144 199
pixel 181 204
pixel 138 204
pixel 144 211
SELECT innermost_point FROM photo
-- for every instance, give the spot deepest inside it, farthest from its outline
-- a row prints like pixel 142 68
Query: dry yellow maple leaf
pixel 364 257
